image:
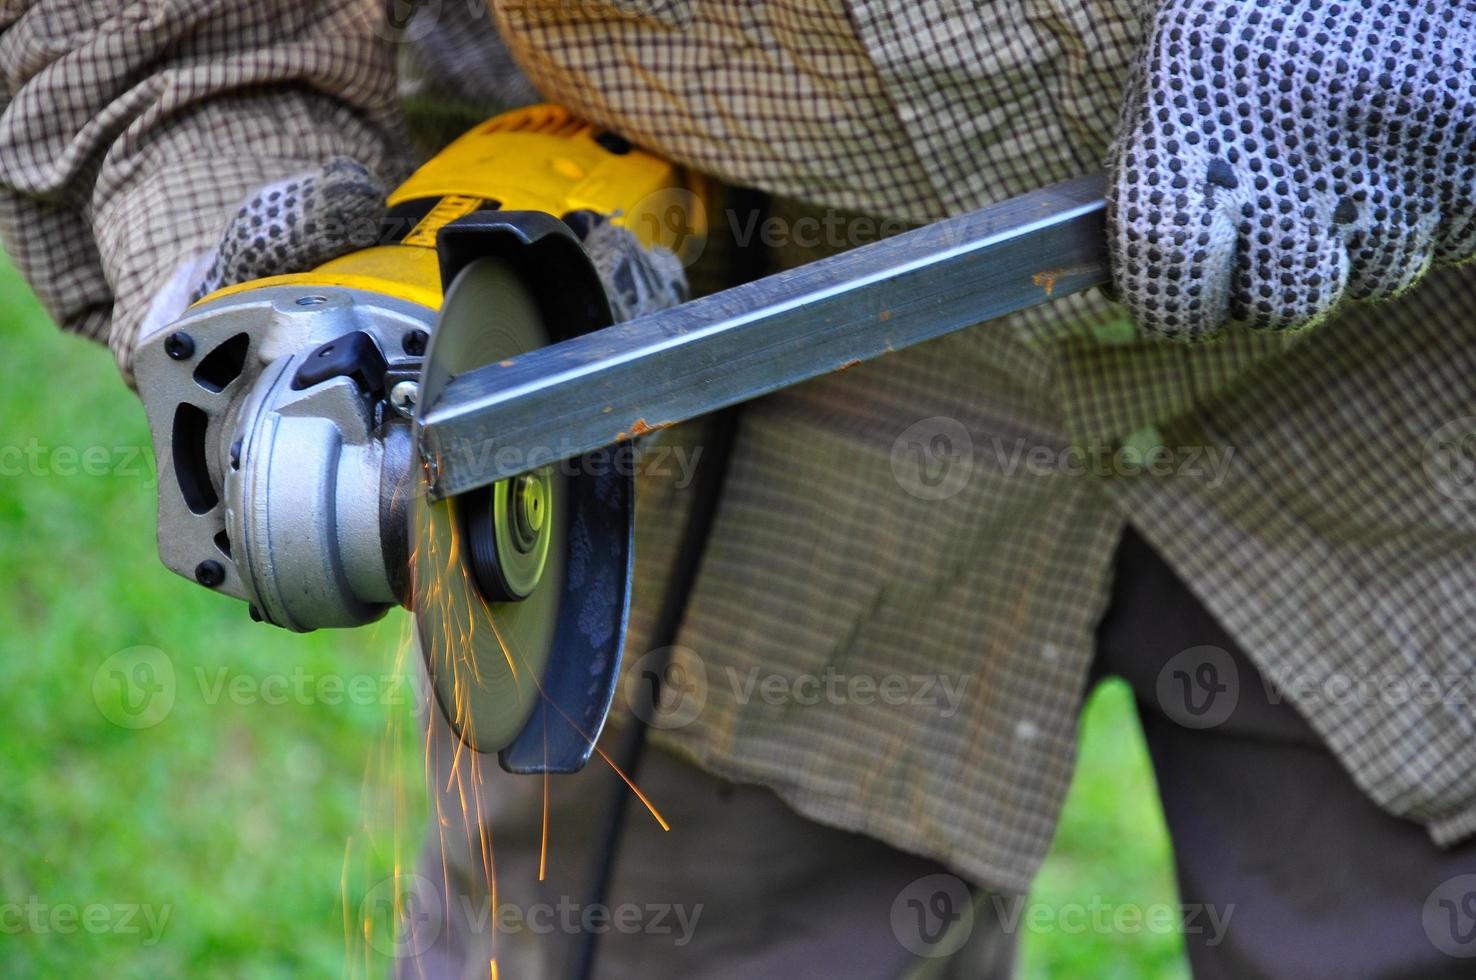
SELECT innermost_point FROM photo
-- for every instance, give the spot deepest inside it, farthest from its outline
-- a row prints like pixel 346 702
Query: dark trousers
pixel 1264 820
pixel 1308 878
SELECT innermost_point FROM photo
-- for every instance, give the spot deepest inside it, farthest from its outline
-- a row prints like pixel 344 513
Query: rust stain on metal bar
pixel 641 427
pixel 1047 279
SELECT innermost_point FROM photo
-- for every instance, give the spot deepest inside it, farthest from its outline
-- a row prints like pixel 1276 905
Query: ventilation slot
pixel 544 120
pixel 223 365
pixel 223 542
pixel 190 470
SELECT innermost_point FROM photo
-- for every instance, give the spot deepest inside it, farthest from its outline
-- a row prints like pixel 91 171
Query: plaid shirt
pixel 893 622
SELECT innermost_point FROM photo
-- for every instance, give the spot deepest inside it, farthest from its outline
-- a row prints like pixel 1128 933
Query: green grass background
pixel 255 824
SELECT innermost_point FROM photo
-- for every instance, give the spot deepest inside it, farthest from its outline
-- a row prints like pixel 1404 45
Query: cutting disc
pixel 489 567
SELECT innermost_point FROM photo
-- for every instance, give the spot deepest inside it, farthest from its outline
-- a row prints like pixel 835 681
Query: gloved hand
pixel 638 280
pixel 291 225
pixel 296 224
pixel 1275 157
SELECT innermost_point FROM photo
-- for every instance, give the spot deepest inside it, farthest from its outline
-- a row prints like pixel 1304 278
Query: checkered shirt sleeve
pixel 130 131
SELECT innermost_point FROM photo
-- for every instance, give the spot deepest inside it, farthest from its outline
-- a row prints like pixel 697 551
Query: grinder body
pixel 283 409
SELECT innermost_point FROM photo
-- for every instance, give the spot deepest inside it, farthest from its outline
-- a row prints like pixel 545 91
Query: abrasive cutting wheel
pixel 518 589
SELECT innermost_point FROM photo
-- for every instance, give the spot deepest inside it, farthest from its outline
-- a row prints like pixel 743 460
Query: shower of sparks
pixel 443 594
pixel 543 837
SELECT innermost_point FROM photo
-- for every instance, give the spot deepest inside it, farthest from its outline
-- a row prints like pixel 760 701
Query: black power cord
pixel 735 261
pixel 707 488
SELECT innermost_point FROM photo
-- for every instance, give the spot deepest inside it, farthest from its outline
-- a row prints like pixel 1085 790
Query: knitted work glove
pixel 1275 157
pixel 638 280
pixel 296 224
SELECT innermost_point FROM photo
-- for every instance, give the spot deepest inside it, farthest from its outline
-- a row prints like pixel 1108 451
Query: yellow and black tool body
pixel 541 160
pixel 283 408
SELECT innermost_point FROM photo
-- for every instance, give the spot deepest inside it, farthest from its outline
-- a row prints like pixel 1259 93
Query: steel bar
pixel 618 383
